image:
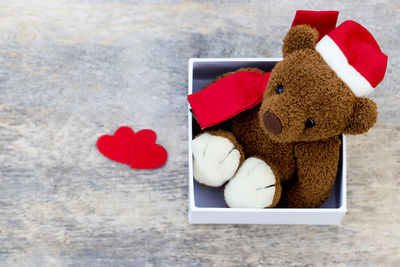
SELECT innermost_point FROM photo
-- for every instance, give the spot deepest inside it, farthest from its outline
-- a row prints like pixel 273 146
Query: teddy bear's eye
pixel 279 89
pixel 310 123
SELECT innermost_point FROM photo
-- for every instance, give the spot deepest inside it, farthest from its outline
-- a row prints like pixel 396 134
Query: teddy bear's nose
pixel 272 122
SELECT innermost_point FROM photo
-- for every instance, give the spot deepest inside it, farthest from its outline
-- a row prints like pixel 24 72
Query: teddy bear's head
pixel 305 100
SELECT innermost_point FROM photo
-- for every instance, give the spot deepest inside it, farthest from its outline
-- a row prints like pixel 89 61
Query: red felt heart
pixel 145 153
pixel 116 147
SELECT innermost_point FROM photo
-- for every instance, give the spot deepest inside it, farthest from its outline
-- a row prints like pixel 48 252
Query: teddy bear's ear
pixel 364 116
pixel 299 37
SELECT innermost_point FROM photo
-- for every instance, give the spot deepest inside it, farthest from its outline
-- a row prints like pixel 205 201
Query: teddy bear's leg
pixel 253 186
pixel 216 157
pixel 317 164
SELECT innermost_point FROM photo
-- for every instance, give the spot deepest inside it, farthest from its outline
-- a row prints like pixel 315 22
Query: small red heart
pixel 116 147
pixel 145 153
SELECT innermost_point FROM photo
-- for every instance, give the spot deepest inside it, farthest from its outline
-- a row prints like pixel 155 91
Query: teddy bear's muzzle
pixel 272 122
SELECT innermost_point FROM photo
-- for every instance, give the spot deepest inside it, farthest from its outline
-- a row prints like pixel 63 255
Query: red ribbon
pixel 228 96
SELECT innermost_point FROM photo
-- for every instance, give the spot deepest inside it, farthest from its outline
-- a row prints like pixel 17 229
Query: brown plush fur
pixel 300 37
pixel 364 116
pixel 303 159
pixel 311 90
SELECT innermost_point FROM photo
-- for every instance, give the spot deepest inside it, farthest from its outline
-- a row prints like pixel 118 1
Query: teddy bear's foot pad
pixel 215 159
pixel 253 186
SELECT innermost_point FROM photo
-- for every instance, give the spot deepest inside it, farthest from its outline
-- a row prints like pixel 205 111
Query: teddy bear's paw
pixel 215 159
pixel 254 186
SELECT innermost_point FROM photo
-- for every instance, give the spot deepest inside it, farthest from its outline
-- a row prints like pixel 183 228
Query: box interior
pixel 204 73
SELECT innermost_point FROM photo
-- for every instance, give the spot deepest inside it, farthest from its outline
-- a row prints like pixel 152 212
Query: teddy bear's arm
pixel 317 164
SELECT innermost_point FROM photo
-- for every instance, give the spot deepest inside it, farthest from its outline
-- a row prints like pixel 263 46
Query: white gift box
pixel 207 205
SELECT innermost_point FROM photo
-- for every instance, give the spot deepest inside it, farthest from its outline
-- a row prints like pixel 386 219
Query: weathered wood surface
pixel 70 72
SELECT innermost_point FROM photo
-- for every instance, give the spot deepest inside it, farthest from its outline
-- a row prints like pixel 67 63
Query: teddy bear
pixel 285 151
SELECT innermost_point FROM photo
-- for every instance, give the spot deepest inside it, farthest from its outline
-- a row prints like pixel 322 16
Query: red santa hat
pixel 352 52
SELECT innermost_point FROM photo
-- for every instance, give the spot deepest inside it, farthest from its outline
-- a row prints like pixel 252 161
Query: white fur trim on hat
pixel 335 58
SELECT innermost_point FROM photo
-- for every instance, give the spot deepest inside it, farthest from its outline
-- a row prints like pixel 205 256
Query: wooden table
pixel 70 72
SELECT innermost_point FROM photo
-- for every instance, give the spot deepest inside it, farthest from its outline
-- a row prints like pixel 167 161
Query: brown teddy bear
pixel 286 149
